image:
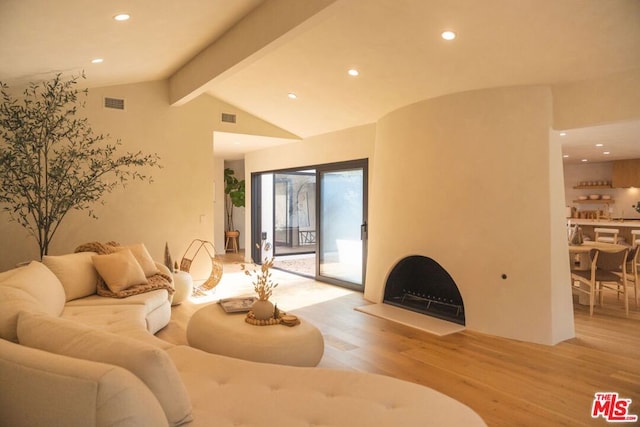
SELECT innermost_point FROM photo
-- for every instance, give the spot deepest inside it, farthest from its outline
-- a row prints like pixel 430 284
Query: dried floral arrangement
pixel 262 281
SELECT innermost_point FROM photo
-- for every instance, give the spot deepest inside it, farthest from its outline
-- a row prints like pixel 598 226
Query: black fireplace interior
pixel 420 284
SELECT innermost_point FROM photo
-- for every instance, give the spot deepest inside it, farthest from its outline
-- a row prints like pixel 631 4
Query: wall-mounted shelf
pixel 592 187
pixel 595 202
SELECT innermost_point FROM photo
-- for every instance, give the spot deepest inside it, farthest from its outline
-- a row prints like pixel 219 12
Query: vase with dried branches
pixel 263 285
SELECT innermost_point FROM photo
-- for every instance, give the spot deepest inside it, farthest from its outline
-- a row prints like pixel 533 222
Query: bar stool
pixel 611 235
pixel 231 244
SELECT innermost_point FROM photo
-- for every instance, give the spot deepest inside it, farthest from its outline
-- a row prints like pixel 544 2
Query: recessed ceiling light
pixel 292 95
pixel 448 35
pixel 97 61
pixel 566 156
pixel 599 145
pixel 353 72
pixel 122 17
pixel 606 153
pixel 563 134
pixel 584 160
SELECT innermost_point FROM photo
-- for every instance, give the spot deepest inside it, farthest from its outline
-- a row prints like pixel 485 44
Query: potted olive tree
pixel 234 197
pixel 52 162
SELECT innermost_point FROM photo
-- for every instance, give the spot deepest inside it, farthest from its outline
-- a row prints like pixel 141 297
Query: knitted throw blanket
pixel 157 281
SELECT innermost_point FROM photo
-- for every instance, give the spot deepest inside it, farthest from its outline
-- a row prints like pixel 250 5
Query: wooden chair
pixel 584 281
pixel 635 237
pixel 608 235
pixel 611 274
pixel 632 270
pixel 607 270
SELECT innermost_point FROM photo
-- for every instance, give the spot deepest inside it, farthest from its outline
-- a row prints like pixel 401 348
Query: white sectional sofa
pixel 94 361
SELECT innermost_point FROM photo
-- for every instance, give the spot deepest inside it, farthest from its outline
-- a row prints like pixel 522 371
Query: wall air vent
pixel 114 103
pixel 228 118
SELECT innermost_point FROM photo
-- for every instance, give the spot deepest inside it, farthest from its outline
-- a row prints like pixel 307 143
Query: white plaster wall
pixel 562 326
pixel 465 179
pixel 218 205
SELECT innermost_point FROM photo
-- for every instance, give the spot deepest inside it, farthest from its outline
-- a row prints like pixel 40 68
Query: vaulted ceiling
pixel 253 53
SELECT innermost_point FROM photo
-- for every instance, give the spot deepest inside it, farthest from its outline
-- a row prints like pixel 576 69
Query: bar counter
pixel 625 226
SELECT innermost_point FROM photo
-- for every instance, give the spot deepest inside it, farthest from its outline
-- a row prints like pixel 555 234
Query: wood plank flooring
pixel 509 383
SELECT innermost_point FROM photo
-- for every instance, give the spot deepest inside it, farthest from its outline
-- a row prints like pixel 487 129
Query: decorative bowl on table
pixel 594 196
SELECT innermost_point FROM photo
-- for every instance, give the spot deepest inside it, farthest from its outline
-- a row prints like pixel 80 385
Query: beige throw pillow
pixel 143 257
pixel 148 362
pixel 31 287
pixel 76 273
pixel 120 270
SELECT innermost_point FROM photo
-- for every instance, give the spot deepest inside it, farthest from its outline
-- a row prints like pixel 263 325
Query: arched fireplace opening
pixel 420 284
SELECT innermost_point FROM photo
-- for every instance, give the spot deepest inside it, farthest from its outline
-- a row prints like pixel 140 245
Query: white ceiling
pixel 600 143
pixel 39 37
pixel 394 43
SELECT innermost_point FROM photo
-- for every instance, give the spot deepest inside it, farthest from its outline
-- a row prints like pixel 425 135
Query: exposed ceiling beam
pixel 261 28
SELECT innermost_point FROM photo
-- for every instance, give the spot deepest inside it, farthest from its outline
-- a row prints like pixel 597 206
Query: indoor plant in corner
pixel 234 197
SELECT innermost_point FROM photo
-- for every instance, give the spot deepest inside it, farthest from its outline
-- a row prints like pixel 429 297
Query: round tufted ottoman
pixel 213 330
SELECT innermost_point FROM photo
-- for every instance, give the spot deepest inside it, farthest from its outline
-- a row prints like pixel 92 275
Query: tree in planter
pixel 51 161
pixel 234 196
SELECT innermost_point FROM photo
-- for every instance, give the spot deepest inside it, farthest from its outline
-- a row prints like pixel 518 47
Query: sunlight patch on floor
pixel 290 294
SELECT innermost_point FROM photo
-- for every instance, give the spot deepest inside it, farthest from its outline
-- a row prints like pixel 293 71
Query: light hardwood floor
pixel 509 383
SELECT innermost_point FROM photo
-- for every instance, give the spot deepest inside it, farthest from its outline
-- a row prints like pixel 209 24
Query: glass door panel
pixel 294 212
pixel 282 235
pixel 342 216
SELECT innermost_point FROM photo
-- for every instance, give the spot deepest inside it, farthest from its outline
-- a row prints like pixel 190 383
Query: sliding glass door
pixel 343 223
pixel 316 218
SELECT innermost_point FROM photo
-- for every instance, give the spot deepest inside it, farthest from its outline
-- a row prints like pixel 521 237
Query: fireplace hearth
pixel 420 284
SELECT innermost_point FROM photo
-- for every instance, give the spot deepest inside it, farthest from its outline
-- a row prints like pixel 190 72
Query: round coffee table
pixel 215 331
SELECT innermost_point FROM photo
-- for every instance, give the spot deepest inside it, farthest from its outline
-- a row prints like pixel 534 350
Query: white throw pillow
pixel 32 287
pixel 148 362
pixel 76 273
pixel 140 252
pixel 120 270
